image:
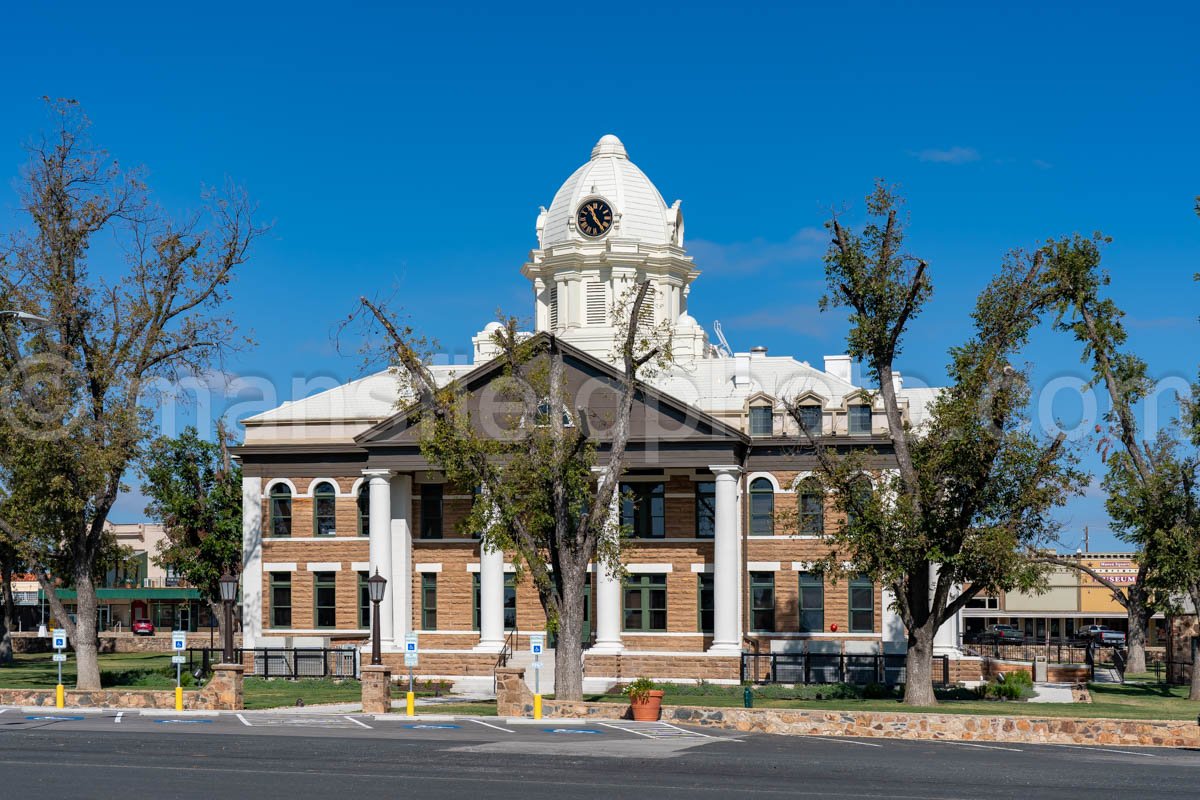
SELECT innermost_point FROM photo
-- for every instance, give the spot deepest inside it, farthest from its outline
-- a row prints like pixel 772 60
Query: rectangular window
pixel 705 601
pixel 762 601
pixel 431 511
pixel 810 418
pixel 706 509
pixel 429 601
pixel 325 599
pixel 324 511
pixel 646 603
pixel 510 601
pixel 364 601
pixel 862 605
pixel 281 599
pixel 812 602
pixel 762 421
pixel 860 420
pixel 643 508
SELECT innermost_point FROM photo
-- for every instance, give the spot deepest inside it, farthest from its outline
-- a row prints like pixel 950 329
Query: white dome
pixel 641 213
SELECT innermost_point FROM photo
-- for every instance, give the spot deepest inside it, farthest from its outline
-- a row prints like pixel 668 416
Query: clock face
pixel 594 218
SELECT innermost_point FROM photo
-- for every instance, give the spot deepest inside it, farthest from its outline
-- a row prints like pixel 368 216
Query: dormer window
pixel 542 420
pixel 809 418
pixel 859 419
pixel 762 421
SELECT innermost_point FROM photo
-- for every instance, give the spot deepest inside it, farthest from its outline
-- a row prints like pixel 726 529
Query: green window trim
pixel 325 510
pixel 858 420
pixel 706 509
pixel 643 509
pixel 811 602
pixel 280 600
pixel 429 601
pixel 510 601
pixel 813 419
pixel 645 603
pixel 762 602
pixel 705 604
pixel 862 605
pixel 280 509
pixel 762 421
pixel 324 599
pixel 762 507
pixel 364 601
pixel 363 504
pixel 810 507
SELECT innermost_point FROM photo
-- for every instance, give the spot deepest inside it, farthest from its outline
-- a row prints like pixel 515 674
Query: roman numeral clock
pixel 594 218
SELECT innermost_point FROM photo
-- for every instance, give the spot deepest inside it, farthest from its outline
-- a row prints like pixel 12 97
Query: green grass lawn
pixel 117 670
pixel 263 693
pixel 1129 701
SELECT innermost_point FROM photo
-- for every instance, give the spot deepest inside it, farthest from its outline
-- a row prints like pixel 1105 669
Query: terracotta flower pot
pixel 648 710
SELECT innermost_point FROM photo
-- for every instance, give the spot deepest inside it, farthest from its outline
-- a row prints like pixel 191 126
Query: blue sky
pixel 404 151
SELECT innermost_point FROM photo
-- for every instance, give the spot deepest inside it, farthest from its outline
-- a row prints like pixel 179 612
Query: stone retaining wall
pixel 222 693
pixel 1055 673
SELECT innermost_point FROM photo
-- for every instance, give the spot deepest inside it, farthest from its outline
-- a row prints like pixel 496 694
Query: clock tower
pixel 606 230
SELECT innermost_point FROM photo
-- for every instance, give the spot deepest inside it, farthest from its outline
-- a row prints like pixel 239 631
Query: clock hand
pixel 595 219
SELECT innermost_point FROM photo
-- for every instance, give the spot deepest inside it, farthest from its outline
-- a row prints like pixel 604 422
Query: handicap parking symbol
pixel 433 727
pixel 55 719
pixel 574 730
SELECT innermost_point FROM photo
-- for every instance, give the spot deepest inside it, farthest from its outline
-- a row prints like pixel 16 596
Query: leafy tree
pixel 971 488
pixel 1137 471
pixel 75 423
pixel 195 491
pixel 548 495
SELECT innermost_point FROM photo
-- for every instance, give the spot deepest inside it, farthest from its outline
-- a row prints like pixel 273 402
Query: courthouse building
pixel 725 518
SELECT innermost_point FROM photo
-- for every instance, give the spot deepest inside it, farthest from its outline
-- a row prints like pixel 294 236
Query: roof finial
pixel 609 145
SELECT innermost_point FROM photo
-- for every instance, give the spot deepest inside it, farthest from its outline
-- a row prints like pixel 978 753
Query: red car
pixel 142 627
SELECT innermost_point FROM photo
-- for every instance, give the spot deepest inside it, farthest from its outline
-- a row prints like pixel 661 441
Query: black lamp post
pixel 228 595
pixel 375 587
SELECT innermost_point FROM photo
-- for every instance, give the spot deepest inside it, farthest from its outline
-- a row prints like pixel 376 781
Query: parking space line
pixel 117 719
pixel 1102 750
pixel 690 733
pixel 359 722
pixel 972 744
pixel 626 730
pixel 490 725
pixel 243 719
pixel 843 741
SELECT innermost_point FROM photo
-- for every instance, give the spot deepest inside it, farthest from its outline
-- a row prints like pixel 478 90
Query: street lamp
pixel 375 586
pixel 228 594
pixel 21 316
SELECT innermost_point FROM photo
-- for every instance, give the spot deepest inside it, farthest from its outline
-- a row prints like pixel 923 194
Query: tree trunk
pixel 918 666
pixel 6 619
pixel 1138 617
pixel 87 663
pixel 568 650
pixel 1194 691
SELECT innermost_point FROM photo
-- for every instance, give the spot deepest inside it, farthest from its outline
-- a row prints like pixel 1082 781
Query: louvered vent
pixel 596 303
pixel 554 307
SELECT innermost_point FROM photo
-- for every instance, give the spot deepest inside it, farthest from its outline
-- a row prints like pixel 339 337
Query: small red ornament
pixel 833 627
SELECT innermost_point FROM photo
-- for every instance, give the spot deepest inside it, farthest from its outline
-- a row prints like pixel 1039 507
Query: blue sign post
pixel 536 642
pixel 410 660
pixel 60 644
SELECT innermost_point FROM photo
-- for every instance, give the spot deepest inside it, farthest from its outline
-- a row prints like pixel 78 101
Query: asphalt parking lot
pixel 301 754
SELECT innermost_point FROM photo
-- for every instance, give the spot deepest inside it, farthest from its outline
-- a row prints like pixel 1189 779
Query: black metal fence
pixel 888 669
pixel 285 662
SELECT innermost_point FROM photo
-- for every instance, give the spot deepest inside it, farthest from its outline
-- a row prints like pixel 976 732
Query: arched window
pixel 364 510
pixel 281 510
pixel 810 505
pixel 762 507
pixel 324 510
pixel 860 498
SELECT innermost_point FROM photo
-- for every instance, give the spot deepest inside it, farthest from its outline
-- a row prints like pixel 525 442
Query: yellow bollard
pixel 179 698
pixel 59 696
pixel 537 706
pixel 411 704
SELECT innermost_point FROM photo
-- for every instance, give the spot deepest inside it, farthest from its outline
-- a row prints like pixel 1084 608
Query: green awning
pixel 133 594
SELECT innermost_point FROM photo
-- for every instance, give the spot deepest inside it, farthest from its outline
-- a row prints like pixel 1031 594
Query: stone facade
pixel 118 642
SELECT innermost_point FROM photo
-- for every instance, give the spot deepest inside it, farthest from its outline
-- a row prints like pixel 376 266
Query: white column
pixel 727 633
pixel 895 637
pixel 608 595
pixel 379 487
pixel 401 543
pixel 945 641
pixel 252 578
pixel 491 599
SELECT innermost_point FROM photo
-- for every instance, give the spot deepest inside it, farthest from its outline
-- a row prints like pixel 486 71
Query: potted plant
pixel 645 699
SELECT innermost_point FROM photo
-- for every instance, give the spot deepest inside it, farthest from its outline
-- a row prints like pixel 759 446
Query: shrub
pixel 639 690
pixel 876 691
